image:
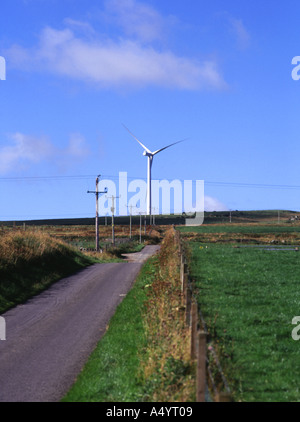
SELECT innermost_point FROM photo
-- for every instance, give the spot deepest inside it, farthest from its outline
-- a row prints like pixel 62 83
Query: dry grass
pixel 246 233
pixel 30 261
pixel 105 232
pixel 168 371
pixel 17 247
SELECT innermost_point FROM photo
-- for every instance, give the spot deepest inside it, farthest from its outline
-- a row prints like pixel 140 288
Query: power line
pixel 37 178
pixel 113 177
pixel 252 185
pixel 46 216
pixel 218 183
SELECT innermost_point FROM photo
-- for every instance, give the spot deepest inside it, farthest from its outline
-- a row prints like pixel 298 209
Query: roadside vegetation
pixel 144 356
pixel 145 353
pixel 32 259
pixel 247 290
pixel 30 262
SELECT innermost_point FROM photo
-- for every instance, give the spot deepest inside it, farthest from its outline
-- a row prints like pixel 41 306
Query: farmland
pixel 246 279
pixel 245 275
pixel 34 257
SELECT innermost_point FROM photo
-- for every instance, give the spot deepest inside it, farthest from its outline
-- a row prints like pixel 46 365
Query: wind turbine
pixel 150 156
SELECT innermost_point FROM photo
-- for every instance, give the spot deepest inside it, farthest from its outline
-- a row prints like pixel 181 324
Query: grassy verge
pixel 168 373
pixel 30 262
pixel 112 372
pixel 248 297
pixel 144 355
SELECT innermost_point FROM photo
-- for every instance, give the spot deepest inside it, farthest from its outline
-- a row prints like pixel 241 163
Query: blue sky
pixel 215 72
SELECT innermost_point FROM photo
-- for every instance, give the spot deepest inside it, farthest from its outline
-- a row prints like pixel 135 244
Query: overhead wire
pixel 89 177
pixel 119 177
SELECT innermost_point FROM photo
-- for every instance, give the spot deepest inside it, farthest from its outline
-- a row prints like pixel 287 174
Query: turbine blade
pixel 168 146
pixel 145 148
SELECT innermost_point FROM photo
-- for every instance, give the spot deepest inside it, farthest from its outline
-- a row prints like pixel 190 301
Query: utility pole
pixel 153 216
pixel 130 221
pixel 96 192
pixel 130 218
pixel 140 227
pixel 113 217
pixel 144 214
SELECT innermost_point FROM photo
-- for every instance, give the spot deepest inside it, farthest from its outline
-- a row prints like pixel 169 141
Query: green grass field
pixel 239 228
pixel 248 297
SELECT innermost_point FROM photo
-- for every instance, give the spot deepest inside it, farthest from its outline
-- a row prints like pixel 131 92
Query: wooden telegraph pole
pixel 140 227
pixel 113 217
pixel 130 222
pixel 97 212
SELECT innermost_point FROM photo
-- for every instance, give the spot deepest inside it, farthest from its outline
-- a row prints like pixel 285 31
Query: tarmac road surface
pixel 50 337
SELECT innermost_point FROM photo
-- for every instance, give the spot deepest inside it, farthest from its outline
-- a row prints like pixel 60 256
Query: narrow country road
pixel 50 337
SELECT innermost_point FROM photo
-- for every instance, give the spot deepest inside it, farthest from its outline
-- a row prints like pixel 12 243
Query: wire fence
pixel 211 383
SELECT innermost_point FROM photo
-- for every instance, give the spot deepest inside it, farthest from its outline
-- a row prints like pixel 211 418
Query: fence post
pixel 184 288
pixel 179 248
pixel 188 303
pixel 181 269
pixel 194 328
pixel 182 259
pixel 183 273
pixel 201 367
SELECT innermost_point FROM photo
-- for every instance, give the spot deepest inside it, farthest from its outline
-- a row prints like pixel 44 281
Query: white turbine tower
pixel 150 156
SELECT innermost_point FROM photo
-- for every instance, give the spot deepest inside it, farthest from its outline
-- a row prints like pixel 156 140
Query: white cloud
pixel 77 146
pixel 137 19
pixel 26 150
pixel 213 204
pixel 241 33
pixel 82 26
pixel 129 59
pixel 110 63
